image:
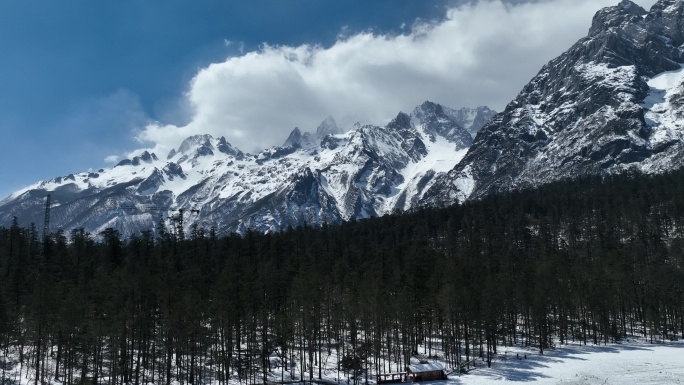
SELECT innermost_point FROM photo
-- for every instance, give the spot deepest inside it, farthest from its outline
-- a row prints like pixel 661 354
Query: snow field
pixel 634 362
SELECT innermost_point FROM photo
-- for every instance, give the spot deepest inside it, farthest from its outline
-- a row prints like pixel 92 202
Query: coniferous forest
pixel 588 261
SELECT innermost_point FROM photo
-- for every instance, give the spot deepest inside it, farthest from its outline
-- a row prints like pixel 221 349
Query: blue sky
pixel 82 81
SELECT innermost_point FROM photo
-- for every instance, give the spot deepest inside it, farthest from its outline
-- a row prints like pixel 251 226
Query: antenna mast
pixel 46 226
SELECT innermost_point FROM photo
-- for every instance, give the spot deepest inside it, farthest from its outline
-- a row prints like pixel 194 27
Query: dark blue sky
pixel 76 75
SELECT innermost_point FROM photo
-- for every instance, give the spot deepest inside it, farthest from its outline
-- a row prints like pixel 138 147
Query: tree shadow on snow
pixel 512 369
pixel 521 369
pixel 633 345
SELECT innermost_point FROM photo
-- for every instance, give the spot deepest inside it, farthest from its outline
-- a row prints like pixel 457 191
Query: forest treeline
pixel 585 261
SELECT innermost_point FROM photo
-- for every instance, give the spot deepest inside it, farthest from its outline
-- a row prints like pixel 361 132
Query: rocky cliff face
pixel 610 104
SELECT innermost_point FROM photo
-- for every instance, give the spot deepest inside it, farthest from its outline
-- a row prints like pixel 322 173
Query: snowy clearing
pixel 633 362
pixel 628 363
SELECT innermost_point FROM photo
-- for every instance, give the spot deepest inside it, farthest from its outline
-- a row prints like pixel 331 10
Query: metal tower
pixel 46 225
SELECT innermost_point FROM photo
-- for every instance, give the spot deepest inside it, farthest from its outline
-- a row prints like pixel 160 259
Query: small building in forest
pixel 424 370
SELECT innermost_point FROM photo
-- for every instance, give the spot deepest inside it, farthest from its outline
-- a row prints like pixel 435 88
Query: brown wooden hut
pixel 425 371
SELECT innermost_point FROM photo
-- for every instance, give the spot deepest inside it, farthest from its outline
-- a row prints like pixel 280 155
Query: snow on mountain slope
pixel 419 176
pixel 325 176
pixel 663 106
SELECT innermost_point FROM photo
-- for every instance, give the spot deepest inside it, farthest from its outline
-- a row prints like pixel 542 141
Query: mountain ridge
pixel 328 175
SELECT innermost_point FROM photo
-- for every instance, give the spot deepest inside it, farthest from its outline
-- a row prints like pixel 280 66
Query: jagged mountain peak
pixel 327 127
pixel 429 112
pixel 627 35
pixel 195 141
pixel 471 119
pixel 427 108
pixel 401 122
pixel 197 146
pixel 666 7
pixel 434 120
pixel 225 147
pixel 632 7
pixel 616 16
pixel 298 138
pixel 144 157
pixel 294 139
pixel 669 15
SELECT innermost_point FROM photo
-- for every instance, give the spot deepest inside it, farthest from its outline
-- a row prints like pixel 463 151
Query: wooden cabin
pixel 425 371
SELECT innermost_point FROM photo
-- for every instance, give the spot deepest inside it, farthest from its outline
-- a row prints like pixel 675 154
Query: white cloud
pixel 111 159
pixel 480 54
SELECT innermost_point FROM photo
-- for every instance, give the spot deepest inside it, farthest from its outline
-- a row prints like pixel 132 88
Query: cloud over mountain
pixel 479 54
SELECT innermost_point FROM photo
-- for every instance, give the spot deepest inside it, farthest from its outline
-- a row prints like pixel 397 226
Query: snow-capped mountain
pixel 613 102
pixel 328 175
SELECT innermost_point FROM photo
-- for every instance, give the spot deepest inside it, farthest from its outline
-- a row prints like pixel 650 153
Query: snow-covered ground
pixel 634 362
pixel 631 362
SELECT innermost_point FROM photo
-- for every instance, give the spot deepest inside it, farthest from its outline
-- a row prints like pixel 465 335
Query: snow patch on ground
pixel 615 364
pixel 635 361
